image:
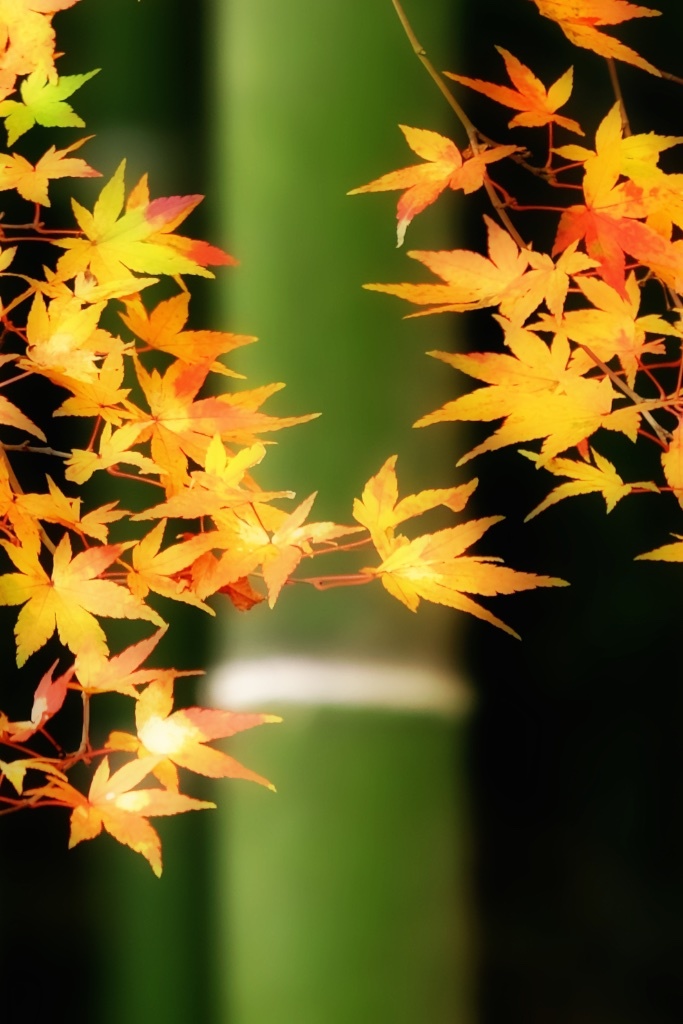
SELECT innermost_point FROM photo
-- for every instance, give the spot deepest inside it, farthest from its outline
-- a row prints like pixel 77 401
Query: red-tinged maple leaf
pixel 113 804
pixel 241 594
pixel 471 280
pixel 162 329
pixel 609 222
pixel 47 700
pixel 67 601
pixel 537 105
pixel 380 511
pixel 433 567
pixel 599 477
pixel 580 20
pixel 31 182
pixel 446 167
pixel 139 241
pixel 536 395
pixel 180 737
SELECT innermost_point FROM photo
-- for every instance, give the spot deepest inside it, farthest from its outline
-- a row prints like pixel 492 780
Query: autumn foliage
pixel 107 325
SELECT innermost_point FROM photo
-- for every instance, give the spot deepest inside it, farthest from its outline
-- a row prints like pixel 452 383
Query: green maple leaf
pixel 42 102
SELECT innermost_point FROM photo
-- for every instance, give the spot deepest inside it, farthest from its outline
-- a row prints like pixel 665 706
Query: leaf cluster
pixel 588 335
pixel 106 327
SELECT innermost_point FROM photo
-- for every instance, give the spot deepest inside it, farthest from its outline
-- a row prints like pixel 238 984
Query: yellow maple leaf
pixel 68 600
pixel 115 805
pixel 472 281
pixel 537 105
pixel 585 478
pixel 445 167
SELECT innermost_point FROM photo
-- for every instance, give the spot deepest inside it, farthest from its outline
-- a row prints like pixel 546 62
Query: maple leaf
pixel 141 240
pixel 579 20
pixel 113 804
pixel 179 738
pixel 433 567
pixel 157 570
pixel 15 771
pixel 180 427
pixel 544 281
pixel 217 487
pixel 672 462
pixel 114 449
pixel 601 478
pixel 28 39
pixel 537 105
pixel 380 511
pixel 612 327
pixel 57 507
pixel 666 553
pixel 65 341
pixel 43 102
pixel 536 394
pixel 31 182
pixel 471 280
pixel 446 167
pixel 10 416
pixel 69 600
pixel 162 329
pixel 121 672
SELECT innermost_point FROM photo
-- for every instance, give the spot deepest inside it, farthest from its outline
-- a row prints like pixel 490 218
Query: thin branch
pixel 472 133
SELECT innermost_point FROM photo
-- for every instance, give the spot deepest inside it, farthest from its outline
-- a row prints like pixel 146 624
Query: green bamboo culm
pixel 345 896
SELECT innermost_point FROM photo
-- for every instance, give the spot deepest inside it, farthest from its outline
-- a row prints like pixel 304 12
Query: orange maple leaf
pixel 180 737
pixel 537 105
pixel 113 804
pixel 140 241
pixel 67 601
pixel 162 329
pixel 446 167
pixel 579 20
pixel 611 220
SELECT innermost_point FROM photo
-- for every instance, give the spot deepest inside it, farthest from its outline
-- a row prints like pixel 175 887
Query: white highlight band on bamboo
pixel 252 683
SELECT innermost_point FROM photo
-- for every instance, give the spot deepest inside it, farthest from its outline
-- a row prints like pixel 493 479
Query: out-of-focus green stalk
pixel 343 897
